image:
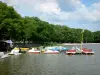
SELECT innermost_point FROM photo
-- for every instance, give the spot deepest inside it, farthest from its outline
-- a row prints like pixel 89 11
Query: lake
pixel 49 64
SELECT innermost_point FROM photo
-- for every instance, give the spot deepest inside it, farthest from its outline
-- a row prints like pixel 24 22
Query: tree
pixel 88 36
pixel 97 36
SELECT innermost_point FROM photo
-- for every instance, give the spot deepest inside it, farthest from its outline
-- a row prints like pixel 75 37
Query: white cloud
pixel 82 12
pixel 96 11
pixel 96 6
pixel 49 6
pixel 44 6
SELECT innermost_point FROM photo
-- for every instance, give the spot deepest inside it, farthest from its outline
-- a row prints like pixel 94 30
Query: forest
pixel 32 29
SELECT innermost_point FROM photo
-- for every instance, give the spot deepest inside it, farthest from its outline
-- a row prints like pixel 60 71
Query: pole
pixel 82 39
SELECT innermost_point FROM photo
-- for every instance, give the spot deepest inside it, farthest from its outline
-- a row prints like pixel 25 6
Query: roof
pixel 9 41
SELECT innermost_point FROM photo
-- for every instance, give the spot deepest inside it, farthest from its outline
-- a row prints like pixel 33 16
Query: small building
pixel 6 45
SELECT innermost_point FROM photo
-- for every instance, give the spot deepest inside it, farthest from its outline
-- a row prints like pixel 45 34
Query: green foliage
pixel 15 27
pixel 88 36
pixel 97 36
pixel 50 44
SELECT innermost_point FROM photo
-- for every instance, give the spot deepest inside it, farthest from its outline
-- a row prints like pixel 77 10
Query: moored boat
pixel 87 51
pixel 71 51
pixel 78 50
pixel 55 49
pixel 15 51
pixel 33 51
pixel 51 52
pixel 5 55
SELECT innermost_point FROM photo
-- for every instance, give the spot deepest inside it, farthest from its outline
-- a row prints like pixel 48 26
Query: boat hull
pixel 51 53
pixel 34 52
pixel 88 53
pixel 71 52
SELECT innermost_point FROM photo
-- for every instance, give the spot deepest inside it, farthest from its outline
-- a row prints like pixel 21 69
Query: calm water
pixel 46 64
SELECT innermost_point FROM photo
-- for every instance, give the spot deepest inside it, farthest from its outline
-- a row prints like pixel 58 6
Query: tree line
pixel 17 28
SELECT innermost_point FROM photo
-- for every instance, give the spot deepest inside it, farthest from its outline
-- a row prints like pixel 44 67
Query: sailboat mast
pixel 82 38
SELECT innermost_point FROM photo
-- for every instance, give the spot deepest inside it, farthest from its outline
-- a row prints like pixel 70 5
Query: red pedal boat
pixel 87 51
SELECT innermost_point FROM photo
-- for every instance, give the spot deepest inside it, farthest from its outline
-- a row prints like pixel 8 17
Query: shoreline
pixel 79 43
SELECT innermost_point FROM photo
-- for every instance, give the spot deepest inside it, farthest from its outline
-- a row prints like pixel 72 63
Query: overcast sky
pixel 73 13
